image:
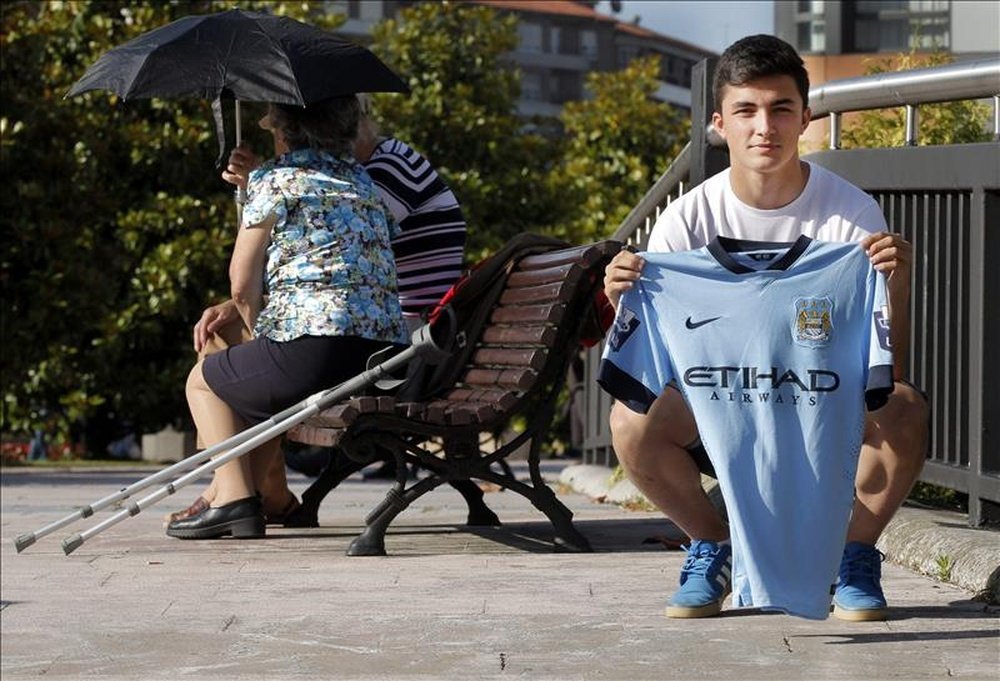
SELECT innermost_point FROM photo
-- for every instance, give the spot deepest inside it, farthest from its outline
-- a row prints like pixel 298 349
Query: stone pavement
pixel 449 603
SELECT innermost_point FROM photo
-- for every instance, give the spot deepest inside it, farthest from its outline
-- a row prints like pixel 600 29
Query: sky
pixel 712 24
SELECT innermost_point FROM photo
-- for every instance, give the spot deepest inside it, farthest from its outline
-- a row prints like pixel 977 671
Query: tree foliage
pixel 117 228
pixel 618 143
pixel 946 123
pixel 461 114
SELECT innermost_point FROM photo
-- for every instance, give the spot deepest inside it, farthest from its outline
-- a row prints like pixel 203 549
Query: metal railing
pixel 945 200
pixel 908 89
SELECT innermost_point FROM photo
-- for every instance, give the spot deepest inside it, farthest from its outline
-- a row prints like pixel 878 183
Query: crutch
pixel 423 343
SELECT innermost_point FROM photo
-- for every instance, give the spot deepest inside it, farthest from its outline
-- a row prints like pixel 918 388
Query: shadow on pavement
pixel 902 636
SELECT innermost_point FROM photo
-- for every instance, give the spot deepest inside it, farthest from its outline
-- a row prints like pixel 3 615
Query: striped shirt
pixel 430 247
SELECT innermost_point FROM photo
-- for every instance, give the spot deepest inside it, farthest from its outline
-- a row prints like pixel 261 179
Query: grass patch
pixel 935 496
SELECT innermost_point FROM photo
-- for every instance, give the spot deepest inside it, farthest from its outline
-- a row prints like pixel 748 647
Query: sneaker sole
pixel 867 615
pixel 684 612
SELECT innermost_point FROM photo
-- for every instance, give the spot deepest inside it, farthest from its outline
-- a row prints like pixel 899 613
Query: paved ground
pixel 447 604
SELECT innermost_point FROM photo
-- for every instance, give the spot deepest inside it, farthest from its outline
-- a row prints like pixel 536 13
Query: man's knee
pixel 902 423
pixel 624 423
pixel 636 436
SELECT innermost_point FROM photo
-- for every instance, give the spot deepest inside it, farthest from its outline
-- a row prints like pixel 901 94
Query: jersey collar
pixel 720 247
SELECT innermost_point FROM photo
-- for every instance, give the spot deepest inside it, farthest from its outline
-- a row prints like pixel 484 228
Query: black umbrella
pixel 248 56
pixel 240 55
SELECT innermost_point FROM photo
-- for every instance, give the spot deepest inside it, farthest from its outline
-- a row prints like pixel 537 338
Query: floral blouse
pixel 330 269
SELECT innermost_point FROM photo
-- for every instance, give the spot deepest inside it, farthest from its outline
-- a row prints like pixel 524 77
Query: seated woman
pixel 316 228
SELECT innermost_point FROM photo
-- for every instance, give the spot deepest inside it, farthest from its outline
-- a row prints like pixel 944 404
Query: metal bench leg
pixel 371 542
pixel 567 537
pixel 339 469
pixel 480 514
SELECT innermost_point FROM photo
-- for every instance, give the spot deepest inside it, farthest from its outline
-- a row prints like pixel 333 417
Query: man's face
pixel 761 122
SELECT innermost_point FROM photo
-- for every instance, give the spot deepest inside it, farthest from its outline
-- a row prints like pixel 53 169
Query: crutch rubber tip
pixel 71 544
pixel 24 541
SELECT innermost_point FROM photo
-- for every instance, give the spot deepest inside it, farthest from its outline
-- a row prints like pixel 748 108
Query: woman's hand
pixel 212 319
pixel 241 162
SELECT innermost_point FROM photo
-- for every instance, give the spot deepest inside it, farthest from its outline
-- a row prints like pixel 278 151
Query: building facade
pixel 560 42
pixel 843 38
pixel 965 27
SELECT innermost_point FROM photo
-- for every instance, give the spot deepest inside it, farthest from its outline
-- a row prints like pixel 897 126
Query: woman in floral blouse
pixel 315 227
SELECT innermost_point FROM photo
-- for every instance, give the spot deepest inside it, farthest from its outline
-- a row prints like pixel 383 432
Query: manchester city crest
pixel 813 321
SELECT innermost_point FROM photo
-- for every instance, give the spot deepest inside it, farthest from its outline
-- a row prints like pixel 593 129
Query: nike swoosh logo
pixel 694 325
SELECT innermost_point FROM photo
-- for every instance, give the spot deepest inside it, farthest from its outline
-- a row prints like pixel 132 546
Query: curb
pixel 935 543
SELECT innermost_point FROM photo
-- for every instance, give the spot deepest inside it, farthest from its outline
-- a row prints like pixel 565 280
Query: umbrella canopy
pixel 242 55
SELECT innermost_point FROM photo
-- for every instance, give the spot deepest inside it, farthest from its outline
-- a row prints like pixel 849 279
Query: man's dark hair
pixel 759 56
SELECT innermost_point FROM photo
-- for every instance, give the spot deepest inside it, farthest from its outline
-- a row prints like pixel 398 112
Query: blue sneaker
pixel 859 596
pixel 706 579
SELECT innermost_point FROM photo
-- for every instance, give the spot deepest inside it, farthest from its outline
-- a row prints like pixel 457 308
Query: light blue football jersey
pixel 776 347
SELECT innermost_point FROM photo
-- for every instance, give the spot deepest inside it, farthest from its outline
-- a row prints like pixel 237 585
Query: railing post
pixel 706 159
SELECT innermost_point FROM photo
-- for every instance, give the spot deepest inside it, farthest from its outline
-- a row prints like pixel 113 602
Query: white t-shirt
pixel 829 209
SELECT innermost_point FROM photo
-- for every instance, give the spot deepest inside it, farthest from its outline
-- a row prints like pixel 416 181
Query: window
pixel 531 86
pixel 626 53
pixel 564 40
pixel 811 36
pixel 530 36
pixel 369 11
pixel 898 26
pixel 588 44
pixel 569 86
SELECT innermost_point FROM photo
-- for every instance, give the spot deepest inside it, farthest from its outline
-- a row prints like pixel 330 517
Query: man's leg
pixel 892 456
pixel 651 449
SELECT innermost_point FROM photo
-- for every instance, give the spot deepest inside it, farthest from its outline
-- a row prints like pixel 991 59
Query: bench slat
pixel 337 416
pixel 519 335
pixel 543 276
pixel 317 436
pixel 585 255
pixel 510 357
pixel 528 313
pixel 553 292
pixel 521 379
pixel 368 404
pixel 505 399
pixel 410 410
pixel 444 412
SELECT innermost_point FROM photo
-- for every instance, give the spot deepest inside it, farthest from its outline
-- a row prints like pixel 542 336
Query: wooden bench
pixel 514 372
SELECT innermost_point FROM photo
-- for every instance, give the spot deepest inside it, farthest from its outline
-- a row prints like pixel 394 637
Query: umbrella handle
pixel 241 192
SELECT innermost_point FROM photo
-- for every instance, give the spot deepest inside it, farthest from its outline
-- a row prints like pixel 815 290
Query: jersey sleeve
pixel 880 380
pixel 635 366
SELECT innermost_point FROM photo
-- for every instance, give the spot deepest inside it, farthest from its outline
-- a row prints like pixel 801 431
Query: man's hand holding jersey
pixel 892 255
pixel 621 274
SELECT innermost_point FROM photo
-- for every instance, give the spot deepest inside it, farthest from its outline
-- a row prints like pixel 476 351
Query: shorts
pixel 262 377
pixel 700 456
